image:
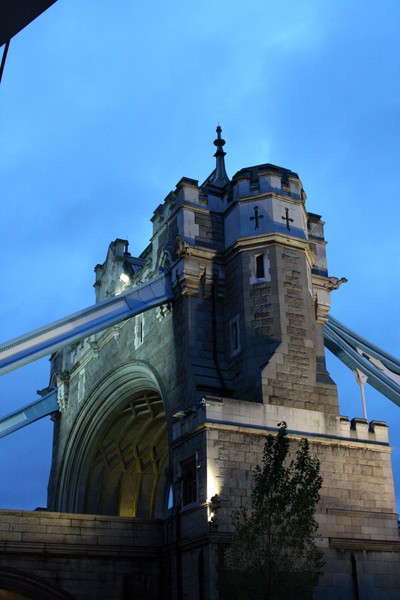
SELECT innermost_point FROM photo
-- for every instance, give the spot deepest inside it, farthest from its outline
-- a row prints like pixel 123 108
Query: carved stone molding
pixel 183 247
pixel 62 379
pixel 163 310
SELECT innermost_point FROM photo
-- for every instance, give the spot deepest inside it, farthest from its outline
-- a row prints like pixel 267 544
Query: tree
pixel 274 553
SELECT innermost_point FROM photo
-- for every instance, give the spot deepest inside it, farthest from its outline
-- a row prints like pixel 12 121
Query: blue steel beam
pixel 27 348
pixel 382 369
pixel 29 414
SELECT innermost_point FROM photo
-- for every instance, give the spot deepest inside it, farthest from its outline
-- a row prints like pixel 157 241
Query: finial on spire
pixel 220 178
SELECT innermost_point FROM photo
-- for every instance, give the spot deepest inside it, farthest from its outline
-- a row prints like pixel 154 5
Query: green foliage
pixel 274 554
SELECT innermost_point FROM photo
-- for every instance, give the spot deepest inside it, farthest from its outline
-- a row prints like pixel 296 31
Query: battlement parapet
pixel 265 418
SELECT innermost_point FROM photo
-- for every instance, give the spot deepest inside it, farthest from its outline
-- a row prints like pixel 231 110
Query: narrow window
pixel 234 335
pixel 139 330
pixel 260 273
pixel 81 385
pixel 189 480
pixel 170 497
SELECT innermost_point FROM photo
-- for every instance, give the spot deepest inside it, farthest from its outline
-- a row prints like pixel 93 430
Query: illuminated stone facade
pixel 170 408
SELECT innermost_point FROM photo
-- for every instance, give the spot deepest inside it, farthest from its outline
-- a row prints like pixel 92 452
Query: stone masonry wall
pixel 290 379
pixel 85 556
pixel 357 511
pixel 355 459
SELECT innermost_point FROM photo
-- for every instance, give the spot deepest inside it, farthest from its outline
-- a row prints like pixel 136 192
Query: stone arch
pixel 116 459
pixel 18 585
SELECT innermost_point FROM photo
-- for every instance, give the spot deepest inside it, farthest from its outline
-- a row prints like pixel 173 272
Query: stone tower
pixel 251 293
pixel 170 408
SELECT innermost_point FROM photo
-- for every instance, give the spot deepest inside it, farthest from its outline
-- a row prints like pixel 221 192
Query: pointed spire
pixel 220 178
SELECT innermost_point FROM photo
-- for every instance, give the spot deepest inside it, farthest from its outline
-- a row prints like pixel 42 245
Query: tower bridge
pixel 162 394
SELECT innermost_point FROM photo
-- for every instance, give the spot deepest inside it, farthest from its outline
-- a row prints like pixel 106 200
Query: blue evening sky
pixel 105 106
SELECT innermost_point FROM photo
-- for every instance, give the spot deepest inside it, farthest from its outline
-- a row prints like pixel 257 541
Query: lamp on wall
pixel 213 508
